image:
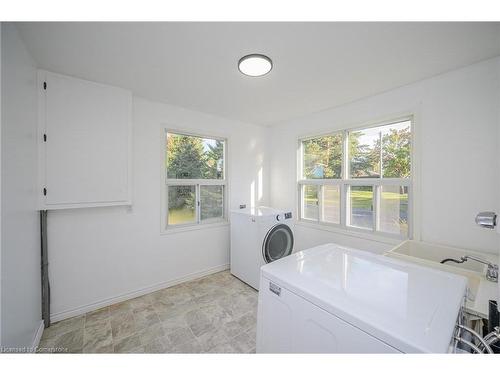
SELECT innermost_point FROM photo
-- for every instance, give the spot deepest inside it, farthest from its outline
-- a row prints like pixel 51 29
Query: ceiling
pixel 316 65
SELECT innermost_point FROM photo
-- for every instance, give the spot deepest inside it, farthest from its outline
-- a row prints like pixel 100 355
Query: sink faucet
pixel 491 271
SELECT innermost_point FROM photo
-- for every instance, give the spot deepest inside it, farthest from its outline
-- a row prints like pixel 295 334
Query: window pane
pixel 211 199
pixel 361 204
pixel 364 153
pixel 368 160
pixel 322 157
pixel 331 204
pixel 310 196
pixel 194 157
pixel 181 204
pixel 394 210
pixel 396 141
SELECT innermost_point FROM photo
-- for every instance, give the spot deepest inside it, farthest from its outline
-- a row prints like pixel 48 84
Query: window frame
pixel 197 183
pixel 344 183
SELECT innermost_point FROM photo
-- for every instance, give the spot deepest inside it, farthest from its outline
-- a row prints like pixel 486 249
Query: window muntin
pixel 370 189
pixel 195 179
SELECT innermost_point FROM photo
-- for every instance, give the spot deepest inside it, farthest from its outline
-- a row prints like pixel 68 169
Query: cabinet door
pixel 318 331
pixel 87 149
pixel 288 323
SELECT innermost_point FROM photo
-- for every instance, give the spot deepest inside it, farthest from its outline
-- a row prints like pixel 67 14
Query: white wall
pixel 457 142
pixel 20 241
pixel 98 254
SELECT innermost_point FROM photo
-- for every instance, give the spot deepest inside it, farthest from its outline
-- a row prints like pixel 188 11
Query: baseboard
pixel 38 335
pixel 123 297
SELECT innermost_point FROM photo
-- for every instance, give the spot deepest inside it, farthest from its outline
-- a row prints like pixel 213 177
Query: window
pixel 358 179
pixel 195 180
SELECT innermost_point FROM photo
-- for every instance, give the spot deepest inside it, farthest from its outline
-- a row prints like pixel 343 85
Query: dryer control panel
pixel 285 216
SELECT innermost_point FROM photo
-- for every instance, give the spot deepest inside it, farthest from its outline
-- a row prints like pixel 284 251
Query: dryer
pixel 333 299
pixel 259 236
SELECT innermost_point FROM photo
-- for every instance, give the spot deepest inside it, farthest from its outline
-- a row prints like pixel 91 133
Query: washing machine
pixel 259 236
pixel 333 299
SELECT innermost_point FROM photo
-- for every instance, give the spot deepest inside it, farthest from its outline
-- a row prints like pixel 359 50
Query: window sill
pixel 189 228
pixel 386 239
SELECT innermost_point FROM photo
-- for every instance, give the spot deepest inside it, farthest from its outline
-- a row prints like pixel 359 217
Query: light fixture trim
pixel 265 69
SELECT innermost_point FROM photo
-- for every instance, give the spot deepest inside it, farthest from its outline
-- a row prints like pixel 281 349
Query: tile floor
pixel 214 314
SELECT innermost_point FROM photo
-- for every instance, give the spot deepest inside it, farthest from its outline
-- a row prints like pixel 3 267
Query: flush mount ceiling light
pixel 255 65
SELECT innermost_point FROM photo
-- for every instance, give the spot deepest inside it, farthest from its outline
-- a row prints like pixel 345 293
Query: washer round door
pixel 278 243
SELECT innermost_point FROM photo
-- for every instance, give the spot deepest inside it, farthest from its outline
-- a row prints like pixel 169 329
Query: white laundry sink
pixel 431 255
pixel 436 253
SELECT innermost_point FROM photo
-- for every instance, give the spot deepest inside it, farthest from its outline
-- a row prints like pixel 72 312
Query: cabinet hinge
pixel 44 191
pixel 45 85
pixel 45 137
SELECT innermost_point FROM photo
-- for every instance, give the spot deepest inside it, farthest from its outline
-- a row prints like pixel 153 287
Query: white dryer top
pixel 410 307
pixel 259 211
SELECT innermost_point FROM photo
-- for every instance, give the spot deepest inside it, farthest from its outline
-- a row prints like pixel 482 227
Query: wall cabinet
pixel 85 138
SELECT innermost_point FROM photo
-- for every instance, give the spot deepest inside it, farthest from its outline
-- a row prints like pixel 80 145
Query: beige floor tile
pixel 120 308
pixel 123 325
pixel 210 297
pixel 97 316
pixel 211 339
pixel 239 303
pixel 155 347
pixel 177 310
pixel 222 349
pixel 161 305
pixel 180 296
pixel 158 295
pixel 174 322
pixel 198 322
pixel 247 321
pixel 252 332
pixel 69 342
pixel 141 302
pixel 180 336
pixel 145 317
pixel 231 329
pixel 151 333
pixel 98 337
pixel 191 346
pixel 243 343
pixel 64 326
pixel 215 314
pixel 127 344
pixel 103 349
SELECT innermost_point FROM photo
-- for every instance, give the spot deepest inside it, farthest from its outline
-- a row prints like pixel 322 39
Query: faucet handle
pixel 492 273
pixel 486 219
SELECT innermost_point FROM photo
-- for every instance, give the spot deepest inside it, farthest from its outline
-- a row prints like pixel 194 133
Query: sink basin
pixel 436 253
pixel 431 255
